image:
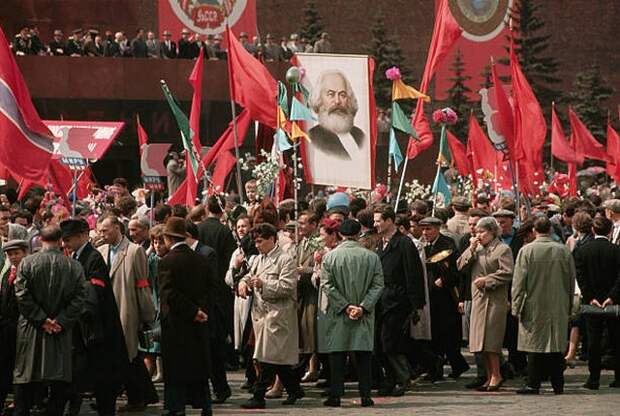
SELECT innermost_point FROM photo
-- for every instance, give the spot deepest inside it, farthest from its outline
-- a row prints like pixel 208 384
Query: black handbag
pixel 610 311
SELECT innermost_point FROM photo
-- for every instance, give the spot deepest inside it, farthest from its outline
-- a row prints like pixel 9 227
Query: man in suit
pixel 15 250
pixel 272 51
pixel 598 274
pixel 138 228
pixel 186 46
pixel 99 351
pixel 168 46
pixel 57 46
pixel 612 211
pixel 75 46
pixel 401 300
pixel 186 282
pixel 111 46
pixel 153 48
pixel 138 45
pixel 129 276
pixel 443 279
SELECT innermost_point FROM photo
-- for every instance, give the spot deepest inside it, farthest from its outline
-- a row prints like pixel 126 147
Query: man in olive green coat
pixel 352 280
pixel 542 294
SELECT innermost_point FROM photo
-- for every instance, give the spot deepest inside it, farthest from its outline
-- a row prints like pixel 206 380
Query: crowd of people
pixel 145 44
pixel 131 291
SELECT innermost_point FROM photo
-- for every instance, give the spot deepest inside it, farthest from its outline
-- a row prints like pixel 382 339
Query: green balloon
pixel 293 75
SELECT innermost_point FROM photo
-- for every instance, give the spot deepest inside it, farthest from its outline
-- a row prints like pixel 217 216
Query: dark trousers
pixel 139 387
pixel 396 369
pixel 541 365
pixel 267 374
pixel 446 329
pixel 219 358
pixel 338 362
pixel 177 395
pixel 27 395
pixel 595 325
pixel 515 357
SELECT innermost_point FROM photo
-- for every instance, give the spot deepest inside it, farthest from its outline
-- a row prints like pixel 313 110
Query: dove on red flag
pixel 26 144
pixel 480 152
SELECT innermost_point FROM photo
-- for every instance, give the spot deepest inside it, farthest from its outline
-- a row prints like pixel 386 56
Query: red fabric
pixel 613 150
pixel 373 121
pixel 560 146
pixel 264 138
pixel 97 282
pixel 505 121
pixel 18 153
pixel 459 154
pixel 530 127
pixel 225 162
pixel 142 283
pixel 584 141
pixel 143 138
pixel 480 152
pixel 251 84
pixel 572 179
pixel 446 32
pixel 58 176
pixel 224 143
pixel 85 183
pixel 12 276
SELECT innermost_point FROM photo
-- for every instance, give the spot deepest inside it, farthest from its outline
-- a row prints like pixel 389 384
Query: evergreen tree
pixel 487 77
pixel 313 24
pixel 458 98
pixel 531 46
pixel 387 53
pixel 590 90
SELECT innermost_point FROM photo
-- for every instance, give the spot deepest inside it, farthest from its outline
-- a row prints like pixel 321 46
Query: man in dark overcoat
pixel 443 280
pixel 50 291
pixel 402 297
pixel 100 354
pixel 15 250
pixel 186 285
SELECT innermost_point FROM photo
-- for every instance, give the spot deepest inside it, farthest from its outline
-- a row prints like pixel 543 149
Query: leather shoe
pixel 332 402
pixel 615 384
pixel 367 402
pixel 292 398
pixel 528 390
pixel 221 398
pixel 400 390
pixel 591 385
pixel 457 373
pixel 247 385
pixel 253 404
pixel 475 383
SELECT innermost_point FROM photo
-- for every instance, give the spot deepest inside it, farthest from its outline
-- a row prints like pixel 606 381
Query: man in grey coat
pixel 352 280
pixel 50 291
pixel 542 295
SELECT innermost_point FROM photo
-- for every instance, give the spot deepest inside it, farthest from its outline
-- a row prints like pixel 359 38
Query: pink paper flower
pixel 439 116
pixel 445 116
pixel 392 73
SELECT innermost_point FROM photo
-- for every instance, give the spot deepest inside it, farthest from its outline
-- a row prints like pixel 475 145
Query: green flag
pixel 401 122
pixel 183 123
pixel 395 149
pixel 282 98
pixel 444 157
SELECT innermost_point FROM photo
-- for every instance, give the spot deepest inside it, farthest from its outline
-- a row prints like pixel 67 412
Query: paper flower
pixel 392 73
pixel 445 116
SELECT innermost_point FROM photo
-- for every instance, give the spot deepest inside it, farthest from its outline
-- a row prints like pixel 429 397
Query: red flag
pixel 572 179
pixel 26 144
pixel 613 150
pixel 225 162
pixel 504 119
pixel 459 154
pixel 480 151
pixel 584 141
pixel 446 32
pixel 143 138
pixel 560 146
pixel 86 183
pixel 251 84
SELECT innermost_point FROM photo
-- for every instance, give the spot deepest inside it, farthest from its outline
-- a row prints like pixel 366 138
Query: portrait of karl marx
pixel 334 102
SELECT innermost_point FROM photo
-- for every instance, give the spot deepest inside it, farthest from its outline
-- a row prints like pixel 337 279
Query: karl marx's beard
pixel 337 119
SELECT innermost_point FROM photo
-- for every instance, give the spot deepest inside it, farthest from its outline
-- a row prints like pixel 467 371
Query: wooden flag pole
pixel 402 180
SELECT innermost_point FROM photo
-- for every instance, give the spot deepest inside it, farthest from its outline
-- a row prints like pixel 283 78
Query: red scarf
pixel 12 275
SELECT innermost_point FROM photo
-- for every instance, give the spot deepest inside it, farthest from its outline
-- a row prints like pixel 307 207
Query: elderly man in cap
pixel 458 224
pixel 99 351
pixel 57 46
pixel 443 277
pixel 186 47
pixel 612 211
pixel 50 291
pixel 168 48
pixel 187 282
pixel 15 250
pixel 403 297
pixel 138 228
pixel 352 280
pixel 272 51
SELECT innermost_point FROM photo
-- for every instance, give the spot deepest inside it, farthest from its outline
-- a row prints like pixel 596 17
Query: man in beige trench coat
pixel 273 280
pixel 542 295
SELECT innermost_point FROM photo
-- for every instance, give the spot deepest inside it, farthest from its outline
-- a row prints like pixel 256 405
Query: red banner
pixel 207 17
pixel 83 139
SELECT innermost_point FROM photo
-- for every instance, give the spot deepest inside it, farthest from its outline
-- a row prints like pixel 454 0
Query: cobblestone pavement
pixel 444 398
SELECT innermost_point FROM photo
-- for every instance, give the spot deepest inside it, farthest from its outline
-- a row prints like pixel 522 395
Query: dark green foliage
pixel 590 91
pixel 458 98
pixel 313 24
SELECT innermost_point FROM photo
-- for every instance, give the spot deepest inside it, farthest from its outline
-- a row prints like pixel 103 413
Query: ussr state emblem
pixel 208 17
pixel 481 20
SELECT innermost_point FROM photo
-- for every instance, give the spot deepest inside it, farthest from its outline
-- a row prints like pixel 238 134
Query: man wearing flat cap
pixel 99 351
pixel 187 284
pixel 168 46
pixel 352 280
pixel 15 250
pixel 612 211
pixel 75 47
pixel 458 224
pixel 443 279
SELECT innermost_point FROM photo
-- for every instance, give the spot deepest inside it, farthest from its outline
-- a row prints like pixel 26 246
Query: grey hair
pixel 316 98
pixel 489 224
